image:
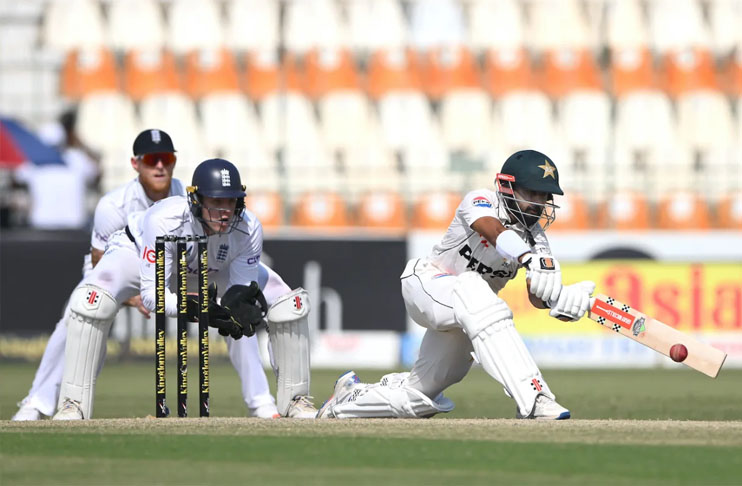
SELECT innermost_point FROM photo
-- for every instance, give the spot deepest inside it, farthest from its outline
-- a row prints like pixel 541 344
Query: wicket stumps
pixel 181 252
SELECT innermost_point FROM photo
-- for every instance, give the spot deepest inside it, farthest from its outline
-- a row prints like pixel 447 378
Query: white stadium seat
pixel 376 24
pixel 436 23
pixel 314 23
pixel 676 25
pixel 135 24
pixel 466 120
pixel 556 25
pixel 626 27
pixel 175 113
pixel 229 123
pixel 107 121
pixel 406 119
pixel 252 25
pixel 73 24
pixel 288 119
pixel 194 24
pixel 495 25
pixel 344 118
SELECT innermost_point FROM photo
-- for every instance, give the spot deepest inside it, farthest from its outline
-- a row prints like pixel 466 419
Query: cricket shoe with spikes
pixel 302 408
pixel 344 386
pixel 545 408
pixel 26 412
pixel 70 410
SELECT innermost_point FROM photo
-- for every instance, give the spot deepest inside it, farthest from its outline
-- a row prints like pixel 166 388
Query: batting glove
pixel 544 276
pixel 574 301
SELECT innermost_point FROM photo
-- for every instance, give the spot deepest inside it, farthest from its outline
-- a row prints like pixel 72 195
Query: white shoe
pixel 545 408
pixel 344 386
pixel 70 410
pixel 268 411
pixel 26 412
pixel 302 408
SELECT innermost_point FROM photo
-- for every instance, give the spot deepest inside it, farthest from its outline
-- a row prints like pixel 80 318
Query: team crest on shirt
pixel 481 202
pixel 221 255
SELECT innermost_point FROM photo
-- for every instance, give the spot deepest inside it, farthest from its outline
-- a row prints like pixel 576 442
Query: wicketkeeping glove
pixel 247 304
pixel 545 276
pixel 220 317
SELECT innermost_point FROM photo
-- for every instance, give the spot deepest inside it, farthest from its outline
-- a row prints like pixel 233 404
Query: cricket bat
pixel 654 334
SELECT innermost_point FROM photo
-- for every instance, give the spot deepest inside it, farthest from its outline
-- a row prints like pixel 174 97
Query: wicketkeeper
pixel 215 208
pixel 453 293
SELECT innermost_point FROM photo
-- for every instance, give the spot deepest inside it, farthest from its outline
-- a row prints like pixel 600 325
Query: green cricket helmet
pixel 532 171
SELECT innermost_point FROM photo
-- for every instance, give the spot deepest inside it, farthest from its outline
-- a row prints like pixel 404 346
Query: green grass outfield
pixel 629 427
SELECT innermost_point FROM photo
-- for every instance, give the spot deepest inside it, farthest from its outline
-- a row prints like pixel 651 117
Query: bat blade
pixel 621 318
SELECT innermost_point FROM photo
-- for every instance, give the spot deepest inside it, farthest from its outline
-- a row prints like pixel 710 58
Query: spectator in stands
pixel 58 192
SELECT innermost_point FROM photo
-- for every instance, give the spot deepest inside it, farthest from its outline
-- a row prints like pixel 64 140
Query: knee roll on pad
pixel 91 303
pixel 288 330
pixel 476 306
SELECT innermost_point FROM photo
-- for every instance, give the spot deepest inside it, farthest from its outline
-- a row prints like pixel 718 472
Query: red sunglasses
pixel 167 158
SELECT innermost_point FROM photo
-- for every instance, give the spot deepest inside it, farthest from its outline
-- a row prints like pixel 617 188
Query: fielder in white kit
pixel 215 208
pixel 453 294
pixel 154 160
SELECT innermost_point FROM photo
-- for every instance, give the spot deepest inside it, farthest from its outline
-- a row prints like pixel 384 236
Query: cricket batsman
pixel 453 293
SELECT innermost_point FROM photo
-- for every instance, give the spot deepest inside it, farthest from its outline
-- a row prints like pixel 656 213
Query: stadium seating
pixel 320 210
pixel 683 211
pixel 382 211
pixel 435 210
pixel 210 70
pixel 729 211
pixel 147 72
pixel 252 25
pixel 267 206
pixel 89 71
pixel 573 213
pixel 624 211
pixel 135 24
pixel 409 97
pixel 73 24
pixel 193 25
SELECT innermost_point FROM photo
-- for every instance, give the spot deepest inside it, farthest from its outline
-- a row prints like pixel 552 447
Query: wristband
pixel 510 245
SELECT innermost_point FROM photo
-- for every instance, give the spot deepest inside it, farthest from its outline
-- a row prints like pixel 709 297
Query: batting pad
pixel 288 330
pixel 390 398
pixel 488 321
pixel 92 311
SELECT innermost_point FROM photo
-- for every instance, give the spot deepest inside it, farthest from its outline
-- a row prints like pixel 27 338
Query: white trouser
pixel 445 353
pixel 243 354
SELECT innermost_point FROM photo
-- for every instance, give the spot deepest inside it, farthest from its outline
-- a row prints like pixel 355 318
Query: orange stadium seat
pixel 320 210
pixel 729 211
pixel 632 70
pixel 566 70
pixel 265 74
pixel 88 71
pixel 689 70
pixel 508 70
pixel 573 213
pixel 382 210
pixel 210 70
pixel 150 71
pixel 449 68
pixel 330 70
pixel 624 211
pixel 683 211
pixel 733 75
pixel 267 206
pixel 435 210
pixel 392 70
